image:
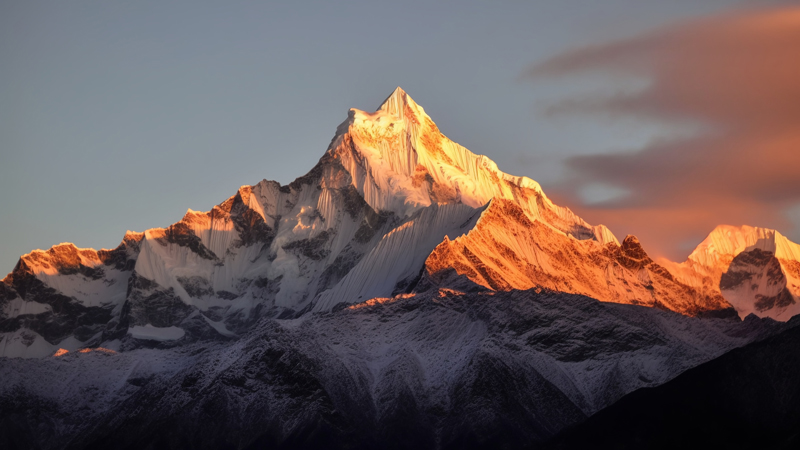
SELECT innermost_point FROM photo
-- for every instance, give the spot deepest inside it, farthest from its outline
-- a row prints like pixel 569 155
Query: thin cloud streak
pixel 736 75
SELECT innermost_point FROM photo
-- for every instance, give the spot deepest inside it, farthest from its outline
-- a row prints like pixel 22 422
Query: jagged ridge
pixel 391 203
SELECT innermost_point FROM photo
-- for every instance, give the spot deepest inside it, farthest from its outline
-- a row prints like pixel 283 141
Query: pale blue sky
pixel 121 115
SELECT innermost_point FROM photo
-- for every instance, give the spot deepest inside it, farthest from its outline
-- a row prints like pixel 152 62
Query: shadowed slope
pixel 748 398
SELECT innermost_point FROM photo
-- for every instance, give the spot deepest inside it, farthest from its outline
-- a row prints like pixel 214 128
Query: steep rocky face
pixel 441 369
pixel 508 250
pixel 755 269
pixel 757 275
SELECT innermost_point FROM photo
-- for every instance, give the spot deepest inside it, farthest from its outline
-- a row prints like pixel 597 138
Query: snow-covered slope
pixel 400 161
pixel 439 369
pixel 507 250
pixel 756 269
pixel 65 296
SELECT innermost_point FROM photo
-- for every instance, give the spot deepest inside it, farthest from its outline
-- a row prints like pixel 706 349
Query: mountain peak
pixel 632 255
pixel 727 241
pixel 631 240
pixel 398 103
pixel 398 96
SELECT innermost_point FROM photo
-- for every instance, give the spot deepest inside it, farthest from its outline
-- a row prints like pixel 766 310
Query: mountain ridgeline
pixel 404 293
pixel 392 201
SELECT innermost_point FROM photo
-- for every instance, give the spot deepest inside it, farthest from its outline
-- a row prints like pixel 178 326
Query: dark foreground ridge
pixel 748 398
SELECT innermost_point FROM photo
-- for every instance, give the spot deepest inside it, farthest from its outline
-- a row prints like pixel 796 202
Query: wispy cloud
pixel 738 75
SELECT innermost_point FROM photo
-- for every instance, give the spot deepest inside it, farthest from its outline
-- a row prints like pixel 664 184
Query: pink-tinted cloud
pixel 739 75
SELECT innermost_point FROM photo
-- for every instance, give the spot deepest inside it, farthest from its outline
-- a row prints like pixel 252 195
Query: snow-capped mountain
pixel 390 202
pixel 405 290
pixel 757 270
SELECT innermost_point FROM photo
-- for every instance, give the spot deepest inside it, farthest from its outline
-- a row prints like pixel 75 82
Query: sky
pixel 660 119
